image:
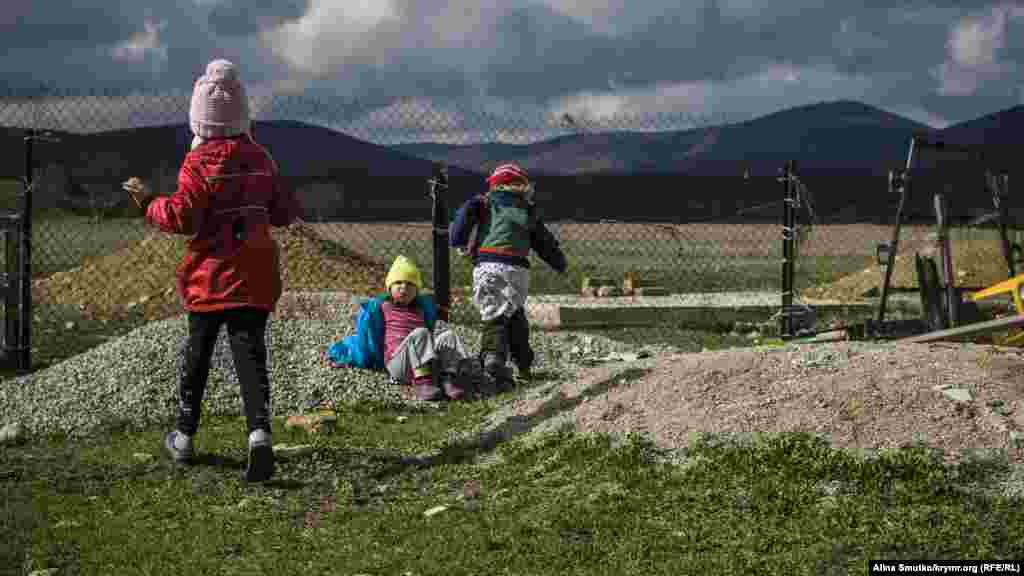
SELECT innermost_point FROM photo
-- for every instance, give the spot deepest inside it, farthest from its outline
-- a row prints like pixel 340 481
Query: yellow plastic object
pixel 1013 286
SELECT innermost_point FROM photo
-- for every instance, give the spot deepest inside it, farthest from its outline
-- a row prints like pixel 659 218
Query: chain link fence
pixel 361 172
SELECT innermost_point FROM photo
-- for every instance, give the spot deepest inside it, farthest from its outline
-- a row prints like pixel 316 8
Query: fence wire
pixel 99 271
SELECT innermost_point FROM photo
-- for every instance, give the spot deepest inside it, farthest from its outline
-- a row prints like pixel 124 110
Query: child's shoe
pixel 497 374
pixel 452 387
pixel 261 457
pixel 179 446
pixel 425 389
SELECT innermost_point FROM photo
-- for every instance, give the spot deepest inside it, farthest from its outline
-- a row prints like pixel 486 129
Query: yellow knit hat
pixel 403 270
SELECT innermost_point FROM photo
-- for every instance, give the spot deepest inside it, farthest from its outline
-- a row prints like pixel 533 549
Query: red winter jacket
pixel 229 195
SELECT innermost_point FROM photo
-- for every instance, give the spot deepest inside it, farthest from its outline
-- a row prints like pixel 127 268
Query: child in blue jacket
pixel 398 331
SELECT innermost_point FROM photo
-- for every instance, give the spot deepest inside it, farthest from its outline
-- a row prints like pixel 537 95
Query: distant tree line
pixel 92 188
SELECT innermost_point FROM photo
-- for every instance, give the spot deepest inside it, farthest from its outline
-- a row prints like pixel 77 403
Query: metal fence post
pixel 788 239
pixel 998 185
pixel 12 287
pixel 442 268
pixel 942 239
pixel 23 354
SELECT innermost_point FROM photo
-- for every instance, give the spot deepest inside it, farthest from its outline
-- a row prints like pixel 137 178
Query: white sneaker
pixel 179 446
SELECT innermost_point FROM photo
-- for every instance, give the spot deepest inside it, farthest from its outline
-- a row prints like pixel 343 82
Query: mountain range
pixel 840 140
pixel 834 137
pixel 831 137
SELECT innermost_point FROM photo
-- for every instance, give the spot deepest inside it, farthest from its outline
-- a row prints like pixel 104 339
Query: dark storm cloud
pixel 938 59
pixel 245 17
pixel 43 23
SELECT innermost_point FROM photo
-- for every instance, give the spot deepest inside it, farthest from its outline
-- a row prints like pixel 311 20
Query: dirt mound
pixel 140 279
pixel 949 396
pixel 976 263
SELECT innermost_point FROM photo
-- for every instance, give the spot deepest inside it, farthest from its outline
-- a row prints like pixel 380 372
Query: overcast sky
pixel 607 62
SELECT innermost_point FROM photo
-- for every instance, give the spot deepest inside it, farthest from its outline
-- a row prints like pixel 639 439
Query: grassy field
pixel 683 258
pixel 392 492
pixel 553 504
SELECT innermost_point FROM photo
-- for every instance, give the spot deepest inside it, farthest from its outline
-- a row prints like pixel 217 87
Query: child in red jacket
pixel 229 195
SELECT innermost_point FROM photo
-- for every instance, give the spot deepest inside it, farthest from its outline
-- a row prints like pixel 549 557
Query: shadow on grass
pixel 467 450
pixel 217 461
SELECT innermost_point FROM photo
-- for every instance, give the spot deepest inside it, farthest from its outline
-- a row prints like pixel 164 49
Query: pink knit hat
pixel 220 108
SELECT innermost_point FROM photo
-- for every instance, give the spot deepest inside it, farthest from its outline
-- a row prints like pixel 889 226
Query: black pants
pixel 508 337
pixel 518 331
pixel 246 329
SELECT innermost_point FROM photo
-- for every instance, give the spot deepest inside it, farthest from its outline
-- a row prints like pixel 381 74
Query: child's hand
pixel 139 192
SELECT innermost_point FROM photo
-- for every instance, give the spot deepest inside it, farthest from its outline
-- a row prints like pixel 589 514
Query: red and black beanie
pixel 507 174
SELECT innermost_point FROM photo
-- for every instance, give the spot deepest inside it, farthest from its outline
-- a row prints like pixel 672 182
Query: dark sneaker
pixel 496 374
pixel 452 387
pixel 179 446
pixel 261 457
pixel 505 384
pixel 501 379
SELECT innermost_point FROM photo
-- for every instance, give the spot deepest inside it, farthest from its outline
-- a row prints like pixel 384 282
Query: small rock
pixel 435 510
pixel 323 421
pixel 143 457
pixel 471 490
pixel 958 394
pixel 69 325
pixel 402 419
pixel 13 433
pixel 286 451
pixel 45 572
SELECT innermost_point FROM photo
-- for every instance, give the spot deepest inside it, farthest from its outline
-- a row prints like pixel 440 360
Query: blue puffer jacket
pixel 365 348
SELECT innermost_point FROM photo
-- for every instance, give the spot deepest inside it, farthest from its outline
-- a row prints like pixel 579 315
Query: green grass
pixel 61 242
pixel 560 504
pixel 555 504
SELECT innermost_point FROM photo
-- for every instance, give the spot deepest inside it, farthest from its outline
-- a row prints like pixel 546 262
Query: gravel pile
pixel 133 378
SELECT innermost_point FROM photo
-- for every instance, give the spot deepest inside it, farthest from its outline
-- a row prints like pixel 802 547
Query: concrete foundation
pixel 706 310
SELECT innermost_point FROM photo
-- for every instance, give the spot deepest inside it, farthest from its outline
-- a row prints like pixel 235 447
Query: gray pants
pixel 421 347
